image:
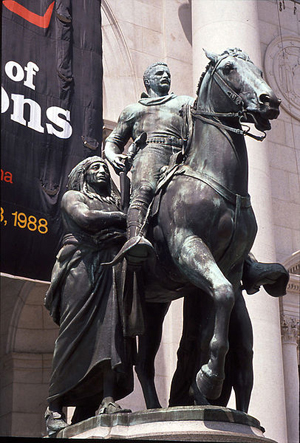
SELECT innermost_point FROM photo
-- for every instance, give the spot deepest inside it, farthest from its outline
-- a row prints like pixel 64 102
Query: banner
pixel 51 105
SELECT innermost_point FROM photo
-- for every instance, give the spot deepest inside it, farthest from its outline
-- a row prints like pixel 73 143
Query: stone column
pixel 217 25
pixel 290 335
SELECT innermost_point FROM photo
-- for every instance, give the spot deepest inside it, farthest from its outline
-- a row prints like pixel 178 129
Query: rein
pixel 218 124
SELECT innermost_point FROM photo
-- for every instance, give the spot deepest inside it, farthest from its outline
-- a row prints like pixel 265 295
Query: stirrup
pixel 136 250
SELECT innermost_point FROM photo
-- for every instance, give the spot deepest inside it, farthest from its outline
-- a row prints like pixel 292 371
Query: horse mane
pixel 202 77
pixel 234 52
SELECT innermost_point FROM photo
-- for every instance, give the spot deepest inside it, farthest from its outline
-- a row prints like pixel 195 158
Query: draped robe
pixel 83 300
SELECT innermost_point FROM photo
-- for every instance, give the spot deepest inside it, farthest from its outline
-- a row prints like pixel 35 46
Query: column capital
pixel 290 329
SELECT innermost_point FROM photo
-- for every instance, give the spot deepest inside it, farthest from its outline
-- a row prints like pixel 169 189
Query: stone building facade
pixel 135 34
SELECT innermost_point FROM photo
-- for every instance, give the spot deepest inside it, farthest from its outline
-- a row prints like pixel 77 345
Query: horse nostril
pixel 271 101
pixel 264 98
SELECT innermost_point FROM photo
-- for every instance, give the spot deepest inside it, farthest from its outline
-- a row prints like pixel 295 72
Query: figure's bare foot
pixel 55 421
pixel 108 406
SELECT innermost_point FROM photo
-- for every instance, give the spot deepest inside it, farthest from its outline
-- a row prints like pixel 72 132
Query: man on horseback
pixel 156 123
pixel 157 114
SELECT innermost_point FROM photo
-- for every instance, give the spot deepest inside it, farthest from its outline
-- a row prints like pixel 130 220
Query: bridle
pixel 236 99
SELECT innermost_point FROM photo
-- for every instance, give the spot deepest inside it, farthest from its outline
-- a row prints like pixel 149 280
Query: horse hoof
pixel 272 276
pixel 197 396
pixel 112 408
pixel 209 385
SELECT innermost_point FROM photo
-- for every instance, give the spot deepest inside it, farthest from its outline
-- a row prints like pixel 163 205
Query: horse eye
pixel 228 68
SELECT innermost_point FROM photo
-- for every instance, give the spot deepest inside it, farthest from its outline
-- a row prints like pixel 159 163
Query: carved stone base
pixel 184 423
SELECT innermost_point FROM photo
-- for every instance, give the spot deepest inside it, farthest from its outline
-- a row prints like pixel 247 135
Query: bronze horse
pixel 205 228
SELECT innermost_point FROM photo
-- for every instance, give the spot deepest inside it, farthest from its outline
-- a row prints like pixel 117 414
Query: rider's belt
pixel 172 141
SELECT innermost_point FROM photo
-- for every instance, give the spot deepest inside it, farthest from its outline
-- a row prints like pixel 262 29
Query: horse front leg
pixel 197 263
pixel 238 366
pixel 148 346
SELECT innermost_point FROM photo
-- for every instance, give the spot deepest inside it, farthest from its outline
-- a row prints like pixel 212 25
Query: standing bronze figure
pixel 91 367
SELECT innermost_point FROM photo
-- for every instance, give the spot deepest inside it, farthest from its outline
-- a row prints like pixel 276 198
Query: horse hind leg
pixel 192 350
pixel 241 344
pixel 197 262
pixel 147 349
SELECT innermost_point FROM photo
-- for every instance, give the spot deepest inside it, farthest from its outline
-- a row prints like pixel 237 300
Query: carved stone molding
pixel 293 266
pixel 290 329
pixel 295 269
pixel 294 285
pixel 282 69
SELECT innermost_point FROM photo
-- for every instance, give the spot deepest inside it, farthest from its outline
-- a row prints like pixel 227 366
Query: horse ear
pixel 211 56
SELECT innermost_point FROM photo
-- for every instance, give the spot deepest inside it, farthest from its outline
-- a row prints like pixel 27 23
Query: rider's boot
pixel 137 248
pixel 272 276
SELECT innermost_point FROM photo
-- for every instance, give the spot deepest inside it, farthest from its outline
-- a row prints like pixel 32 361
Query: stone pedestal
pixel 184 423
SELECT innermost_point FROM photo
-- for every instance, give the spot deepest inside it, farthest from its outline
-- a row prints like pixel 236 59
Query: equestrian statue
pixel 191 225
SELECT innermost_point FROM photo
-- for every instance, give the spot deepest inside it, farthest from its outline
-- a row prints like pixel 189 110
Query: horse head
pixel 233 85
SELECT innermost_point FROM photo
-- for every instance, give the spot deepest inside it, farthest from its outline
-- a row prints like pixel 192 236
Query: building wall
pixel 280 30
pixel 27 341
pixel 284 147
pixel 135 34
